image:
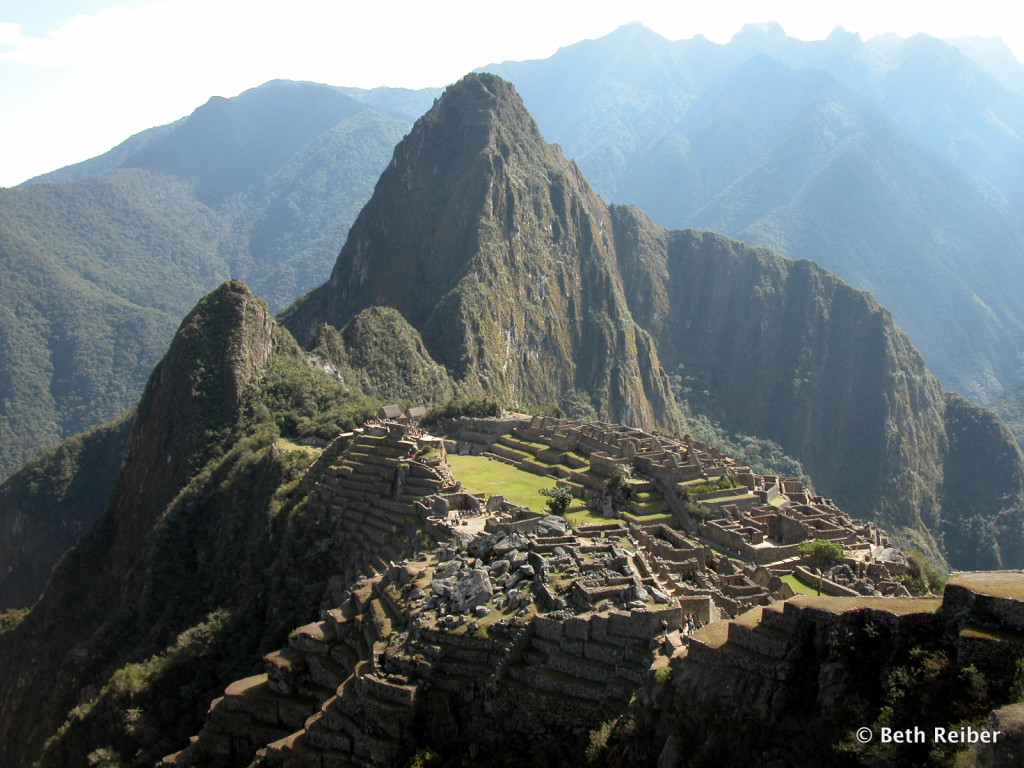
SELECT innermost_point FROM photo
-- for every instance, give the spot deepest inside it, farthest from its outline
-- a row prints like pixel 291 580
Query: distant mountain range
pixel 898 164
pixel 895 163
pixel 102 259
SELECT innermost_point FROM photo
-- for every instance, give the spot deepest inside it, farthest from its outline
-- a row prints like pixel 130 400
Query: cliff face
pixel 493 246
pixel 786 349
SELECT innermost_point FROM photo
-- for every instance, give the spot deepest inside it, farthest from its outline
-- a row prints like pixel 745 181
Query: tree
pixel 822 553
pixel 558 498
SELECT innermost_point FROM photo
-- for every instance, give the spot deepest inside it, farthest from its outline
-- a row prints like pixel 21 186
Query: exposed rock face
pixel 526 286
pixel 814 363
pixel 506 265
pixel 195 390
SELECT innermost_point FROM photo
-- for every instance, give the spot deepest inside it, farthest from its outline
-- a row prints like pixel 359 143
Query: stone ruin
pixel 755 520
pixel 514 625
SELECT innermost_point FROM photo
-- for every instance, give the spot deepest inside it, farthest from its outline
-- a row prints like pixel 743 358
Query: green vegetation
pixel 385 356
pixel 305 401
pixel 50 502
pixel 558 498
pixel 463 405
pixel 722 484
pixel 985 529
pixel 924 577
pixel 100 269
pixel 821 552
pixel 798 586
pixel 484 475
pixel 599 740
pixel 698 512
pixel 581 515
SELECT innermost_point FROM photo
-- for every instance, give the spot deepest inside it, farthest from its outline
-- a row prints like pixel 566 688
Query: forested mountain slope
pixel 895 163
pixel 103 259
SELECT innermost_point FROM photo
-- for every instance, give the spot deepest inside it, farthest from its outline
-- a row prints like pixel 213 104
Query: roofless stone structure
pixel 505 624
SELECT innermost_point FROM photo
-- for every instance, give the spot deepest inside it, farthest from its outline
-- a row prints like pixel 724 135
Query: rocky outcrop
pixel 194 391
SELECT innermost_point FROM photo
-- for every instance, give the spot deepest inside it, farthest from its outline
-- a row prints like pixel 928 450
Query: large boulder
pixel 509 543
pixel 472 588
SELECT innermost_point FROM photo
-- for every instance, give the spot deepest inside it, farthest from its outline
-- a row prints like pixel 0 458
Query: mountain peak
pixel 477 233
pixel 445 171
pixel 195 390
pixel 770 31
pixel 478 101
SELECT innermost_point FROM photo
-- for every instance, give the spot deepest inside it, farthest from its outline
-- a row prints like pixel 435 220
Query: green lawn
pixel 284 444
pixel 480 474
pixel 578 514
pixel 798 586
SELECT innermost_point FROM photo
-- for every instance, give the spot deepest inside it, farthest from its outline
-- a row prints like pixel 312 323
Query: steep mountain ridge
pixel 841 183
pixel 813 364
pixel 936 170
pixel 102 587
pixel 505 268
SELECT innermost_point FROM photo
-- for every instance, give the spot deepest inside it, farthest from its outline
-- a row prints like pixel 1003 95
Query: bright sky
pixel 79 76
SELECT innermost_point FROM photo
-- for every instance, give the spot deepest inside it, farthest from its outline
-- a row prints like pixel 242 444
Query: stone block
pixel 576 628
pixel 548 629
pixel 633 625
pixel 572 647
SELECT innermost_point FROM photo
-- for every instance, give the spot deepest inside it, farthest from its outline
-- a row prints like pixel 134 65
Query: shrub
pixel 821 552
pixel 698 512
pixel 558 498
